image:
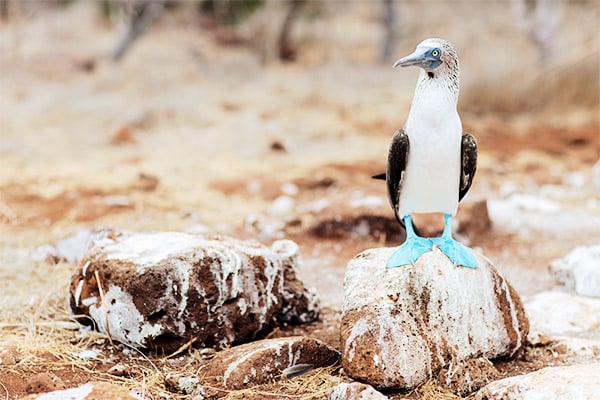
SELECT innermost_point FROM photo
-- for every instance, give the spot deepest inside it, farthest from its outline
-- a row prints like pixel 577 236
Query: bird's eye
pixel 435 52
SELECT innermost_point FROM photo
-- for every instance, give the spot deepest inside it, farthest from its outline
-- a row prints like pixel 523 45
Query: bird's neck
pixel 435 97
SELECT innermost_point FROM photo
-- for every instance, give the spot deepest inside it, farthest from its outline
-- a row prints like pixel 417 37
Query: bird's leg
pixel 412 248
pixel 457 252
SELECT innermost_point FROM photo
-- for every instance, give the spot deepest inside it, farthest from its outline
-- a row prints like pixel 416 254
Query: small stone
pixel 282 206
pixel 120 370
pixel 277 145
pixel 178 383
pixel 575 382
pixel 264 361
pixel 84 354
pixel 8 356
pixel 44 382
pixel 570 315
pixel 579 270
pixel 145 182
pixel 88 391
pixel 355 391
pixel 123 135
pixel 160 290
pixel 401 326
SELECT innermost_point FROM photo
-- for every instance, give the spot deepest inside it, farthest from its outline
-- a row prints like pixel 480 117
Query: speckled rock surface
pixel 160 290
pixel 571 315
pixel 579 270
pixel 89 391
pixel 575 382
pixel 400 326
pixel 263 361
pixel 355 391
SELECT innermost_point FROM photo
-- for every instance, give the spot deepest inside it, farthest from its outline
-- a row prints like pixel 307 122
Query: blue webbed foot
pixel 457 252
pixel 410 251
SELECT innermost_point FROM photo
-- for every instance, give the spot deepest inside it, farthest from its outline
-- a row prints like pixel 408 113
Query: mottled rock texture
pixel 575 382
pixel 160 290
pixel 263 361
pixel 89 391
pixel 579 270
pixel 355 391
pixel 555 313
pixel 401 326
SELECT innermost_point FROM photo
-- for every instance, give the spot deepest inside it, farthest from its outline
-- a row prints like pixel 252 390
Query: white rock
pixel 575 382
pixel 556 313
pixel 289 189
pixel 86 354
pixel 400 326
pixel 282 206
pixel 355 391
pixel 580 270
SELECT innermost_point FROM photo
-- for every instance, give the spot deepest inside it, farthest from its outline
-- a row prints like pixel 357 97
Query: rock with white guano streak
pixel 163 289
pixel 401 326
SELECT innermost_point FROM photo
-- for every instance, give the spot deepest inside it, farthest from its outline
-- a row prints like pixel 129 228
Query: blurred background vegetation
pixel 521 55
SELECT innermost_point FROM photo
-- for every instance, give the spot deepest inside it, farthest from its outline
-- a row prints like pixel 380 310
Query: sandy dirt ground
pixel 188 134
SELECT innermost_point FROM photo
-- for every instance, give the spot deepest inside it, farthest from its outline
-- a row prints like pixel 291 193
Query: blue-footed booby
pixel 431 164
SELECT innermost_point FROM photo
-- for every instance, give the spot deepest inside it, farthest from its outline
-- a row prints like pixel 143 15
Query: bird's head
pixel 433 55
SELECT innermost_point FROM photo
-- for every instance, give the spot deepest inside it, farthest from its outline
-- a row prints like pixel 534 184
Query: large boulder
pixel 163 289
pixel 401 326
pixel 574 382
pixel 264 361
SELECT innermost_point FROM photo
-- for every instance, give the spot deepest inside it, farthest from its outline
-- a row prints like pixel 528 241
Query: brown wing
pixel 397 159
pixel 469 164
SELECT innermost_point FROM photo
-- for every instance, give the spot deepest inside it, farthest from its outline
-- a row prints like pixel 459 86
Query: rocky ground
pixel 188 135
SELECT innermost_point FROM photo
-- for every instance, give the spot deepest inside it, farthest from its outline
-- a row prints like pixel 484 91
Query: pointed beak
pixel 415 58
pixel 421 57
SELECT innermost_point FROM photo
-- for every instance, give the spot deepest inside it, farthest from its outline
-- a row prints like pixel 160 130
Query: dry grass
pixel 431 390
pixel 315 385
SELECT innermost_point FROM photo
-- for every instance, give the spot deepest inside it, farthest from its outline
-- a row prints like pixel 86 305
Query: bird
pixel 431 163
